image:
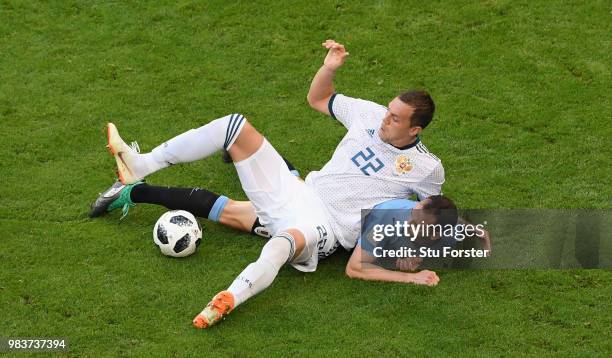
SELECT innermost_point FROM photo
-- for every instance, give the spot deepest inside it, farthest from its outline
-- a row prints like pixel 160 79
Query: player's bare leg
pixel 238 215
pixel 256 277
pixel 247 142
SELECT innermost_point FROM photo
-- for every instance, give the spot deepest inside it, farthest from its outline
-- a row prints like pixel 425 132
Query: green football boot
pixel 115 197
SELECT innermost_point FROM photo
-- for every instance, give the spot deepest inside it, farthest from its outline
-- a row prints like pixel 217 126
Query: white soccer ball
pixel 177 233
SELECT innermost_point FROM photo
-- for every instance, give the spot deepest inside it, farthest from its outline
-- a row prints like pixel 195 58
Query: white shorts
pixel 282 202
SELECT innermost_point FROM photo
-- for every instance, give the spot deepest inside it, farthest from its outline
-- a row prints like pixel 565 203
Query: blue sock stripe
pixel 227 131
pixel 217 209
pixel 235 130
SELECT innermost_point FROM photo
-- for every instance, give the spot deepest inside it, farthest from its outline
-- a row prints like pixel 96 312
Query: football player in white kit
pixel 380 158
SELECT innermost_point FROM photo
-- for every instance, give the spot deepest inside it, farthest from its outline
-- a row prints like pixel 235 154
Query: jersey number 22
pixel 366 161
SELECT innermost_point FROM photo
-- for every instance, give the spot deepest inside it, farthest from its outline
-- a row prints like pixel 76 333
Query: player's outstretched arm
pixel 322 86
pixel 361 266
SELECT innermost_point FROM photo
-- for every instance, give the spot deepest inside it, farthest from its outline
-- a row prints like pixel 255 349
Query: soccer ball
pixel 177 233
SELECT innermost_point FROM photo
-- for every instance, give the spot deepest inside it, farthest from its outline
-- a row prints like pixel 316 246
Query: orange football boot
pixel 220 306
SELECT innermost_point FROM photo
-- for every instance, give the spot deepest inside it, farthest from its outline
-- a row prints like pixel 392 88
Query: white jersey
pixel 365 171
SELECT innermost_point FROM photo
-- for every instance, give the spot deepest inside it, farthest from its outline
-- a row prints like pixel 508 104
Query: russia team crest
pixel 402 164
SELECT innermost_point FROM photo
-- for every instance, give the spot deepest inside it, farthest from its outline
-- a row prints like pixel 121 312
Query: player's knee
pixel 279 250
pixel 284 247
pixel 235 125
pixel 299 241
pixel 243 140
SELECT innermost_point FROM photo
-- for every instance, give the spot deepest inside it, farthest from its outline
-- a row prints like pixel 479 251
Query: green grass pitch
pixel 523 120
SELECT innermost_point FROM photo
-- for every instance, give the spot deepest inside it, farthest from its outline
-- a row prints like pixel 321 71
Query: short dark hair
pixel 443 208
pixel 423 106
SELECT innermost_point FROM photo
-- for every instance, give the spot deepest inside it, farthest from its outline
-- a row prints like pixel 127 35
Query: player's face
pixel 395 128
pixel 419 216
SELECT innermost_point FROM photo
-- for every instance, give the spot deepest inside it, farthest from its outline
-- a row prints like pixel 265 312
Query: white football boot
pixel 127 158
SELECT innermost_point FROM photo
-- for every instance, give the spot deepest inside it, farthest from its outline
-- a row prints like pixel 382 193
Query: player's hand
pixel 335 56
pixel 425 277
pixel 408 263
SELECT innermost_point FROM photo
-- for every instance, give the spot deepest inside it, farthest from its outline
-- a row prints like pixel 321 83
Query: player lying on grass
pixel 380 158
pixel 241 215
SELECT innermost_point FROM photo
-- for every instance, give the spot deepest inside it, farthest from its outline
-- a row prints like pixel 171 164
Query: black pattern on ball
pixel 182 243
pixel 162 234
pixel 180 220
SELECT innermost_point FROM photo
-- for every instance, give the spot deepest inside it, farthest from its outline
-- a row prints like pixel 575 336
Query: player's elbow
pixel 317 103
pixel 313 102
pixel 309 99
pixel 351 271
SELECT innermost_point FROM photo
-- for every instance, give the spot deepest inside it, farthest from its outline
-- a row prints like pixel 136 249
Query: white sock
pixel 259 275
pixel 194 144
